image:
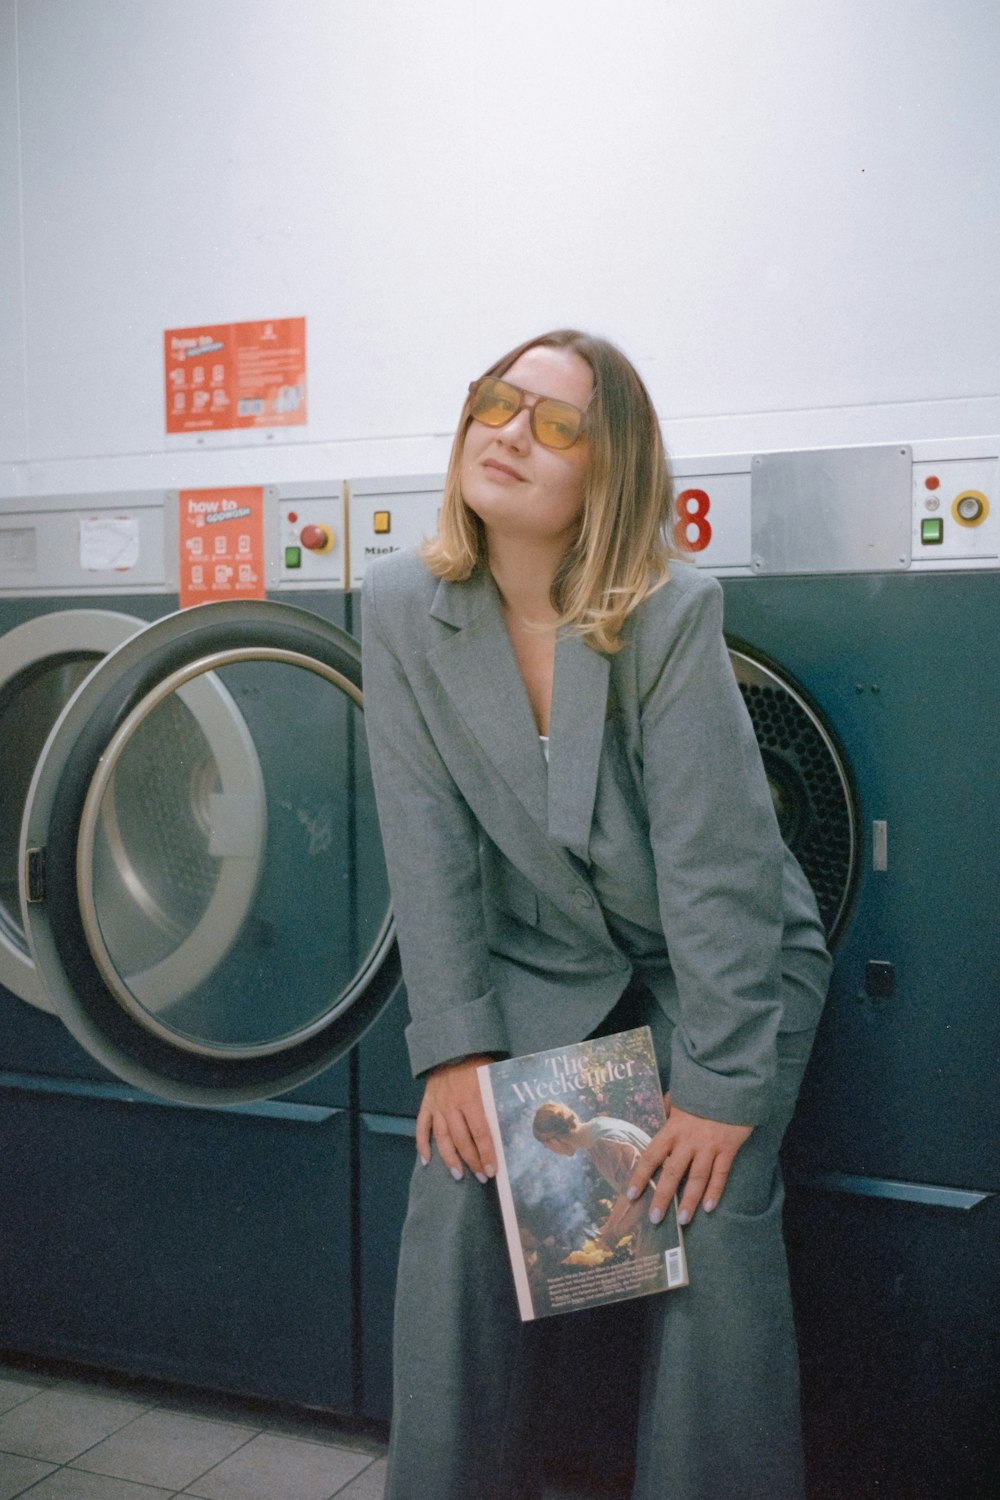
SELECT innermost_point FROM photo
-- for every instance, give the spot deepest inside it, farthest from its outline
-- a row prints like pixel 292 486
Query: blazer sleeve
pixel 431 843
pixel 719 862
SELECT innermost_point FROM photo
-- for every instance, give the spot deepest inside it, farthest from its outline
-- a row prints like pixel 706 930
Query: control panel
pixel 311 548
pixel 386 515
pixel 326 534
pixel 956 511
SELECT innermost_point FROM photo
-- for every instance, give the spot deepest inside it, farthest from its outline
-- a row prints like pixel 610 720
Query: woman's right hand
pixel 452 1117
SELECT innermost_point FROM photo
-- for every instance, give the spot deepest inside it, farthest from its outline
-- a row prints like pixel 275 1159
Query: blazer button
pixel 582 896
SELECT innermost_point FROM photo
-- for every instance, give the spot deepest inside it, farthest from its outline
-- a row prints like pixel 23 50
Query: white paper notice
pixel 109 542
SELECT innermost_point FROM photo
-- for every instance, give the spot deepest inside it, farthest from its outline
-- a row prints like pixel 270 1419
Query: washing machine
pixel 194 933
pixel 862 608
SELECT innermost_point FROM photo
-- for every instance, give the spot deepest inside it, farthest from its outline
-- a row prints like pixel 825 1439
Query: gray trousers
pixel 718 1413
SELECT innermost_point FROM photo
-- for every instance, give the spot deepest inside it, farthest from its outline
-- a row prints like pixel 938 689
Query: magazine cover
pixel 569 1125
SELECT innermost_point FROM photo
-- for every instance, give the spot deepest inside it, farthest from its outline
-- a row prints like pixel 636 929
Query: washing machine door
pixel 42 663
pixel 202 884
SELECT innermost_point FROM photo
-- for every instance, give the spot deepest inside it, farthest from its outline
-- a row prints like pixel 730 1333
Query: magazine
pixel 569 1125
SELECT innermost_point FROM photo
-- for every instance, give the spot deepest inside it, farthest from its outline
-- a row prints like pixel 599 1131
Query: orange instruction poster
pixel 232 375
pixel 221 544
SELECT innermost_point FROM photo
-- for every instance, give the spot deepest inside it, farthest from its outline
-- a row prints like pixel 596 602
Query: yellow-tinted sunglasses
pixel 556 424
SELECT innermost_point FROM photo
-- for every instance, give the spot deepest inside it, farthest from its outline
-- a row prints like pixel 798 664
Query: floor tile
pixel 272 1466
pixel 58 1425
pixel 368 1486
pixel 13 1392
pixel 73 1484
pixel 17 1473
pixel 165 1448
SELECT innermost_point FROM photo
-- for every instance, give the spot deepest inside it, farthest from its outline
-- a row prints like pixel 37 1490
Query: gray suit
pixel 527 898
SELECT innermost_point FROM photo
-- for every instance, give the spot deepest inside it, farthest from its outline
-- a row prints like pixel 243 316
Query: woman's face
pixel 515 485
pixel 561 1145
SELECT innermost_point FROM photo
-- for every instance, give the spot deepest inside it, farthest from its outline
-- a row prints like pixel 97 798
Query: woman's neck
pixel 523 576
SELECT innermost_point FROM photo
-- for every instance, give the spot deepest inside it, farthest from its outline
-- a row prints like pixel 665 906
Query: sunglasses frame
pixel 538 400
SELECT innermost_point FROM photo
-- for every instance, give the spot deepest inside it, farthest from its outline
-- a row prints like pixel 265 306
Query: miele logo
pixel 380 551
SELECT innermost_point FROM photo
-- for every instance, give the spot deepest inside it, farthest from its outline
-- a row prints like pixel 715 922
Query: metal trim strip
pixel 931 1194
pixel 122 1093
pixel 389 1125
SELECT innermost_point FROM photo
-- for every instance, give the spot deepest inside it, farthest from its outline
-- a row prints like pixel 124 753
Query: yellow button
pixel 382 522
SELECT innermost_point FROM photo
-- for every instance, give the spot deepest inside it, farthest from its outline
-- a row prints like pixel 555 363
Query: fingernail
pixel 457 1173
pixel 482 1177
pixel 708 1205
pixel 683 1217
pixel 425 1161
pixel 655 1215
pixel 631 1194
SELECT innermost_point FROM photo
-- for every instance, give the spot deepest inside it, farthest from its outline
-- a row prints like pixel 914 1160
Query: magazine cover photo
pixel 570 1125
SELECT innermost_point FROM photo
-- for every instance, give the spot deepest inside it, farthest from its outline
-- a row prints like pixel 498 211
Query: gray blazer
pixel 526 895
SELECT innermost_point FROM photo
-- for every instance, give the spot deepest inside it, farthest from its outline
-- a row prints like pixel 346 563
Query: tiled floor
pixel 80 1436
pixel 73 1438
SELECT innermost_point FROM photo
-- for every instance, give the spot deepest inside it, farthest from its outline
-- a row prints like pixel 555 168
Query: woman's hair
pixel 621 551
pixel 552 1121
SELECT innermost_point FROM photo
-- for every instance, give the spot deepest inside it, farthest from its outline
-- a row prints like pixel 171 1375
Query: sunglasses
pixel 555 424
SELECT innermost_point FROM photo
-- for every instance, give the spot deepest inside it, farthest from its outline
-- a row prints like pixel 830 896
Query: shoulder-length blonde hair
pixel 621 551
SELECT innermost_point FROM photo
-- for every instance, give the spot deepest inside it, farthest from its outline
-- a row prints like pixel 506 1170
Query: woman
pixel 580 837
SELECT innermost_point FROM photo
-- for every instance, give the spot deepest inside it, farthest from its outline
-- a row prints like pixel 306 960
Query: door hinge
pixel 34 874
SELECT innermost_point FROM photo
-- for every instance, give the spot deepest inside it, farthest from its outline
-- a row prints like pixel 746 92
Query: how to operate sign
pixel 221 544
pixel 235 375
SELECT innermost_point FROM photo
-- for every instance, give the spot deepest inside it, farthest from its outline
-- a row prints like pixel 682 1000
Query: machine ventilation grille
pixel 809 783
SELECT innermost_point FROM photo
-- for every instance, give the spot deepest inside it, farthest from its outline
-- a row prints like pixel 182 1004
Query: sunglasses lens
pixel 556 423
pixel 494 402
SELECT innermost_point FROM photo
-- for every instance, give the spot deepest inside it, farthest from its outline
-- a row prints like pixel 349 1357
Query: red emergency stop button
pixel 316 538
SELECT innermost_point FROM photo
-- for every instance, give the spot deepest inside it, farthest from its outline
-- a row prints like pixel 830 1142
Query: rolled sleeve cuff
pixel 474 1026
pixel 736 1100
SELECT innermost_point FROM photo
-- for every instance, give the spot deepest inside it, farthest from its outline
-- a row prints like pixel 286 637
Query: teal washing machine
pixel 862 608
pixel 194 933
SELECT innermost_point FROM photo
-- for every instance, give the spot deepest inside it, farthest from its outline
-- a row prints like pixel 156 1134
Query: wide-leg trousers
pixel 718 1418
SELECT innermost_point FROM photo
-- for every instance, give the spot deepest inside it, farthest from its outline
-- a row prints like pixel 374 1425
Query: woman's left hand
pixel 691 1147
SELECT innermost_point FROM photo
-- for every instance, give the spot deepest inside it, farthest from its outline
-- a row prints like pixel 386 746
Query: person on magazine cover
pixel 580 838
pixel 614 1147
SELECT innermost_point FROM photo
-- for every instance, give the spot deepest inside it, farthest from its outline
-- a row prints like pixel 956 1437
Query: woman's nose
pixel 517 432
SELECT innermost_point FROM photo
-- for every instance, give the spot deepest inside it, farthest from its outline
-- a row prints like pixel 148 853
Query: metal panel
pixel 836 510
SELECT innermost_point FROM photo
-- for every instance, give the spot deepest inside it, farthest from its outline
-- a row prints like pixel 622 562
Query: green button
pixel 932 531
pixel 293 557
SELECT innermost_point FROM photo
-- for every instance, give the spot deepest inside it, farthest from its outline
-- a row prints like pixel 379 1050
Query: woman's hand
pixel 452 1116
pixel 691 1147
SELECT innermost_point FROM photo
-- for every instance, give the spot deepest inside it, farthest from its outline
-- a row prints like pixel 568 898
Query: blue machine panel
pixel 903 670
pixel 186 1244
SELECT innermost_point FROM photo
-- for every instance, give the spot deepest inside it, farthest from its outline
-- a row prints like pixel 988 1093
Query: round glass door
pixel 203 884
pixel 42 663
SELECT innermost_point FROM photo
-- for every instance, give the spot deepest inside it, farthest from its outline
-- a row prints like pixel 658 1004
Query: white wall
pixel 788 212
pixel 13 411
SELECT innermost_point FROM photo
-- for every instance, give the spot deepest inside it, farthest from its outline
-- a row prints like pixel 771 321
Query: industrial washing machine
pixel 862 607
pixel 203 905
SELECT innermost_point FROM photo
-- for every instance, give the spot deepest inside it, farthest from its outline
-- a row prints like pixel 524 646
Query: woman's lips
pixel 497 467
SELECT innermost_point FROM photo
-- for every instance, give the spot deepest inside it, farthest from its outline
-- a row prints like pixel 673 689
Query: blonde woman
pixel 580 838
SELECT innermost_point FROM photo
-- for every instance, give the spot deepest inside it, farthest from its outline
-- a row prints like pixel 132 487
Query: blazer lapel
pixel 579 705
pixel 478 670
